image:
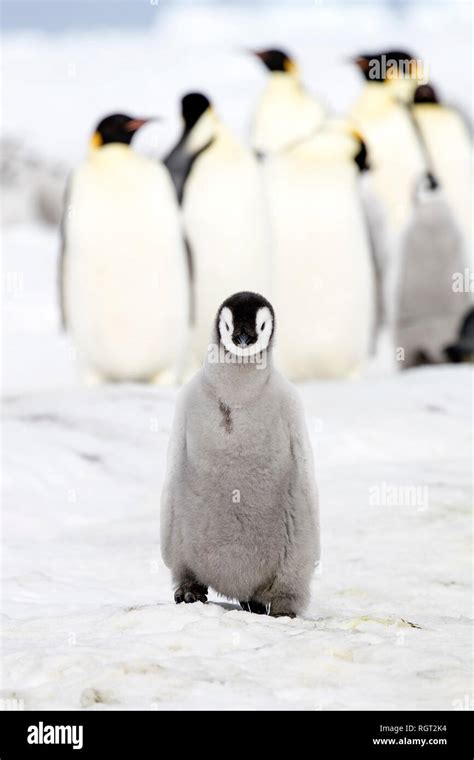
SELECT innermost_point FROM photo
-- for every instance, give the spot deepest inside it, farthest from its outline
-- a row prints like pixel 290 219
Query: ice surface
pixel 87 609
pixel 88 614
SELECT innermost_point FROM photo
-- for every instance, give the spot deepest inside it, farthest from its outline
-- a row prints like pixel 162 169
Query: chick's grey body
pixel 428 308
pixel 239 505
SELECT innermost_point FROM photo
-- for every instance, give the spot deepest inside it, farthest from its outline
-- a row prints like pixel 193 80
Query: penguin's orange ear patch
pixel 96 140
pixel 356 134
pixel 289 66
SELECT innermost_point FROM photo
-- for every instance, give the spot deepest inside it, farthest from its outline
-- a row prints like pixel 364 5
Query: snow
pixel 87 609
pixel 88 614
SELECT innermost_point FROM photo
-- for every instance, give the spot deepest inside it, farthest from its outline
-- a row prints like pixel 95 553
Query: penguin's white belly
pixel 125 287
pixel 227 228
pixel 396 162
pixel 323 279
pixel 234 499
pixel 450 149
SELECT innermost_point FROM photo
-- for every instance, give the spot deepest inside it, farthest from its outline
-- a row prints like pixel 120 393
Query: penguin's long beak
pixel 360 61
pixel 134 124
pixel 257 53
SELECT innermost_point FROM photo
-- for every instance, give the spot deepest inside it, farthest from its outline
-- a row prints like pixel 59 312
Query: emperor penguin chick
pixel 239 507
pixel 428 306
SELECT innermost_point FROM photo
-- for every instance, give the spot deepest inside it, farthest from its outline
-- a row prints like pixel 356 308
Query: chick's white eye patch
pixel 226 321
pixel 263 319
pixel 264 327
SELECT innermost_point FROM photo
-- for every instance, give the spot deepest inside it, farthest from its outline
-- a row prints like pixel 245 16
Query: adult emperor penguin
pixel 122 268
pixel 286 112
pixel 429 306
pixel 225 220
pixel 239 507
pixel 323 279
pixel 287 115
pixel 449 146
pixel 396 157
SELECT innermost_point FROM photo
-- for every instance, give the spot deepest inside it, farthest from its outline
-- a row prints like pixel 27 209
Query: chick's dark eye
pixel 263 325
pixel 227 326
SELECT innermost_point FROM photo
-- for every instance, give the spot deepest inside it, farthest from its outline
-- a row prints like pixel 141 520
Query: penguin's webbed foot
pixel 256 607
pixel 284 606
pixel 283 614
pixel 190 593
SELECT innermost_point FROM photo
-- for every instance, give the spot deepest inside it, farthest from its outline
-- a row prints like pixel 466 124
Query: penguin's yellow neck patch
pixel 96 141
pixel 356 134
pixel 290 67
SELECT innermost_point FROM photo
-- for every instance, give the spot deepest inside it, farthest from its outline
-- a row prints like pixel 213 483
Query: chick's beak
pixel 241 339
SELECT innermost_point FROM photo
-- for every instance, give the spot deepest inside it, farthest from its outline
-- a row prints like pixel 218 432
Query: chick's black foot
pixel 190 592
pixel 255 607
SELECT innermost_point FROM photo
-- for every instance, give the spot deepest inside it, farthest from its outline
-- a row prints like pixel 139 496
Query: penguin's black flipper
pixel 179 163
pixel 466 118
pixel 190 267
pixel 62 256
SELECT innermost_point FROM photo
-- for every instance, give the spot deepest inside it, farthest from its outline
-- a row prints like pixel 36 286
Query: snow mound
pixel 88 616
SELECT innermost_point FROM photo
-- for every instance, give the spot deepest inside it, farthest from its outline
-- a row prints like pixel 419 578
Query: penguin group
pixel 354 226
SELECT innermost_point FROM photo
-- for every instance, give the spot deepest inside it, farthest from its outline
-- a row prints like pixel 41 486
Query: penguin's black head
pixel 117 128
pixel 276 60
pixel 377 67
pixel 401 58
pixel 425 93
pixel 245 324
pixel 193 105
